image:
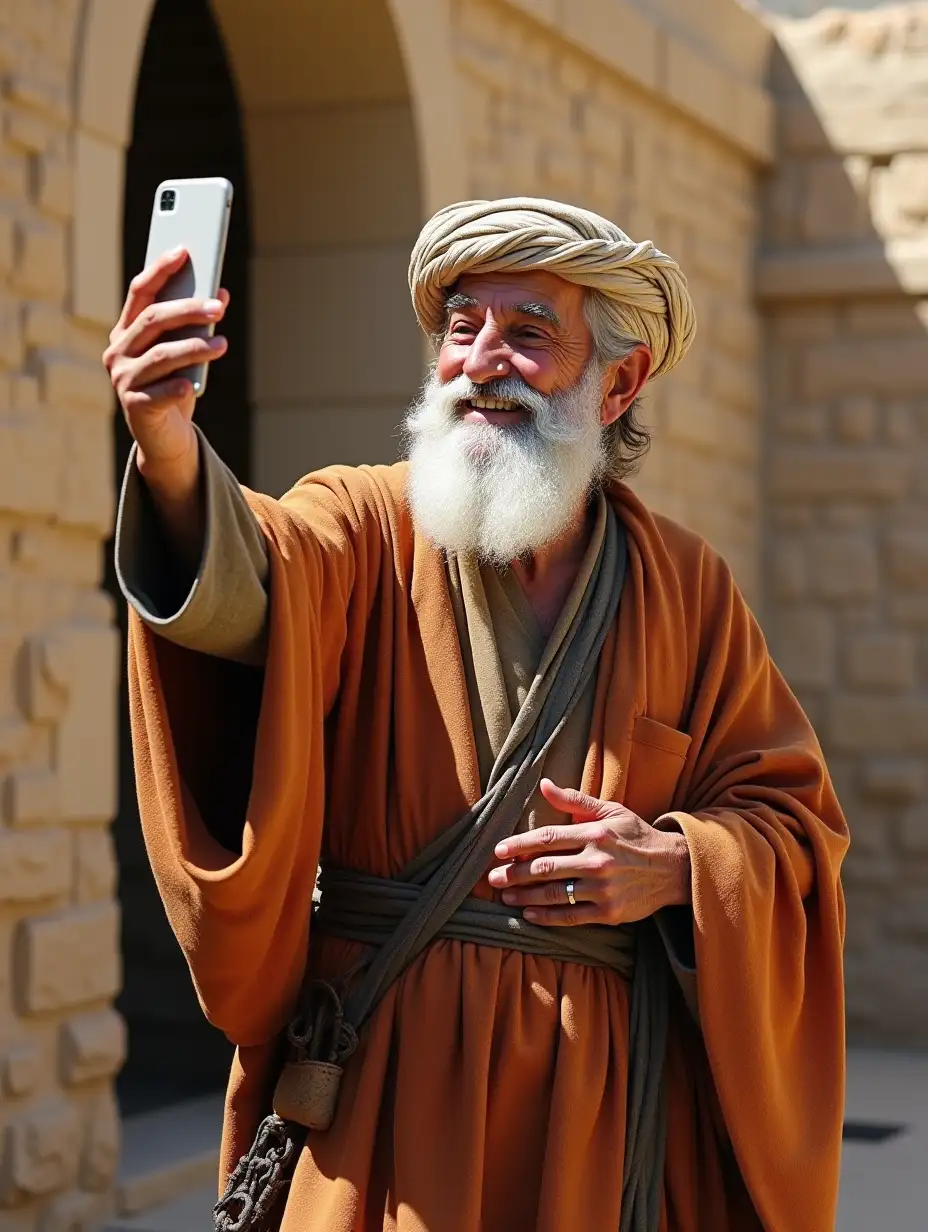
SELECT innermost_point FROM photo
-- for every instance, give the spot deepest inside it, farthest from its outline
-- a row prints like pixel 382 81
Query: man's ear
pixel 624 382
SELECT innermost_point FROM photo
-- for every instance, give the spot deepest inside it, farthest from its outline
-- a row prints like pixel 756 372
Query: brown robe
pixel 489 1089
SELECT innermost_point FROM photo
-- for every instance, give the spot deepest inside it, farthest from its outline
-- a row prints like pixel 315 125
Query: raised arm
pixel 190 556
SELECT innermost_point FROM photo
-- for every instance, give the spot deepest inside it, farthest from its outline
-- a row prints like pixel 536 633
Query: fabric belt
pixel 359 907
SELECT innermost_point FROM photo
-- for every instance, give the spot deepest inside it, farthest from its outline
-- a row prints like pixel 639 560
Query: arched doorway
pixel 325 352
pixel 186 123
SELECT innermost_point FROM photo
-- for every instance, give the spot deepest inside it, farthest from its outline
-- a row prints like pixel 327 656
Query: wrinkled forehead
pixel 503 292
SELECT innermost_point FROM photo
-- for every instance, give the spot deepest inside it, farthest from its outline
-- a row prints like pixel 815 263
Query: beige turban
pixel 645 286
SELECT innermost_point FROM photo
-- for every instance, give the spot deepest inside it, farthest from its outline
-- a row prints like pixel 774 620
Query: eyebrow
pixel 529 308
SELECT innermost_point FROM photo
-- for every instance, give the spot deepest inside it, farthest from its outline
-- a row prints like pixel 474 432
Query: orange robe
pixel 489 1088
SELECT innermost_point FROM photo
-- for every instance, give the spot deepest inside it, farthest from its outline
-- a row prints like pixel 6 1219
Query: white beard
pixel 501 492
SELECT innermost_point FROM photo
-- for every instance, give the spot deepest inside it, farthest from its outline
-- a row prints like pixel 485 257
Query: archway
pixel 186 122
pixel 324 342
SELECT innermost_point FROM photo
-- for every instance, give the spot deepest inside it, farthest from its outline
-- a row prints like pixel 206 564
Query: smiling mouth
pixel 492 404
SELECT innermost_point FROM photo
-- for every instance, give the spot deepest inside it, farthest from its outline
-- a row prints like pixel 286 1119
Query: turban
pixel 646 288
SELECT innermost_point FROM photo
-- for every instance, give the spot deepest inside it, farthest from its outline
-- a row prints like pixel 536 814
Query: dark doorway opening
pixel 187 123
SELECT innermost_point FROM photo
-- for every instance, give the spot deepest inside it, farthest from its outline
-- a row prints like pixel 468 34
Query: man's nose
pixel 488 357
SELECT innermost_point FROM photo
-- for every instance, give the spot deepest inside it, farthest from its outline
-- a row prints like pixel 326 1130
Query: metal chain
pixel 259 1178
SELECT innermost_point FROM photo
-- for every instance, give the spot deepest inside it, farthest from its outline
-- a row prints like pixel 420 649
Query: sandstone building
pixel 783 162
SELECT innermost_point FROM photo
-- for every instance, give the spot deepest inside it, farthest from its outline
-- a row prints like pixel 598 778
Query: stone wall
pixel 842 278
pixel 552 116
pixel 60 1042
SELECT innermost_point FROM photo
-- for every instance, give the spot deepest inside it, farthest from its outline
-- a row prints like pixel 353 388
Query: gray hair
pixel 627 440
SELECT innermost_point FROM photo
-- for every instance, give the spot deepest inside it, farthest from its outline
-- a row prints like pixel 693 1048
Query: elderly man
pixel 576 963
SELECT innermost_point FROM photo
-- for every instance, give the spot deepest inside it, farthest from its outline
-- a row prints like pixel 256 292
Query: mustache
pixel 506 388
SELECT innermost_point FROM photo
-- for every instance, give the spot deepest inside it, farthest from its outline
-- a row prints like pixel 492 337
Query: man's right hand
pixel 158 406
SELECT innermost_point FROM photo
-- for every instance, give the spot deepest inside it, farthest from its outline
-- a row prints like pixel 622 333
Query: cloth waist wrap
pixel 398 918
pixel 359 907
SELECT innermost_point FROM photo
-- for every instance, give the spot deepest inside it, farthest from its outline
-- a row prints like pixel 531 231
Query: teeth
pixel 492 404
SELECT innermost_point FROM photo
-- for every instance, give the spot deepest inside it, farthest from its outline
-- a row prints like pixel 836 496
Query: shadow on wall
pixel 844 261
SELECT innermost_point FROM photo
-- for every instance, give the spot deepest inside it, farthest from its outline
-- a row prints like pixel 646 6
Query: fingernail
pixel 508 897
pixel 529 914
pixel 218 342
pixel 212 307
pixel 502 849
pixel 176 252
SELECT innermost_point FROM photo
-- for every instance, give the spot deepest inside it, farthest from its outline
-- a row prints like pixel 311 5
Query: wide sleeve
pixel 222 610
pixel 766 838
pixel 242 916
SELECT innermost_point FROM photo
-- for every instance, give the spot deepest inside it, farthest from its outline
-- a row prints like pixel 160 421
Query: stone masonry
pixel 60 1040
pixel 842 278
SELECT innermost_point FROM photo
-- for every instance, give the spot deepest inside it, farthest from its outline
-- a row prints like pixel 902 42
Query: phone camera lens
pixel 168 197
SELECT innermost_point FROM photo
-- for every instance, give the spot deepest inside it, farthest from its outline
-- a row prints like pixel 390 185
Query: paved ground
pixel 884 1184
pixel 885 1176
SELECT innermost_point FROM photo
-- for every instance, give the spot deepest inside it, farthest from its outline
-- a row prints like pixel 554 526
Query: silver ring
pixel 569 887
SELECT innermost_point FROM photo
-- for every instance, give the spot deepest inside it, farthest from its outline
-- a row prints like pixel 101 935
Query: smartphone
pixel 194 214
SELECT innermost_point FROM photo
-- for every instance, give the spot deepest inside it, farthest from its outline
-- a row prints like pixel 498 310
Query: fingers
pixel 577 803
pixel 545 839
pixel 566 917
pixel 548 868
pixel 163 318
pixel 553 893
pixel 166 358
pixel 144 287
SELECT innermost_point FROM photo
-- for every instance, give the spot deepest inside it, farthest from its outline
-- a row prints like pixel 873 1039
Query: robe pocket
pixel 655 762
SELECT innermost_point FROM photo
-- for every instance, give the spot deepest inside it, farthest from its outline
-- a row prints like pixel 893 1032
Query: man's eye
pixel 460 327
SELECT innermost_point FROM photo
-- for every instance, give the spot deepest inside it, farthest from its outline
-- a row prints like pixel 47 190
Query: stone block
pixel 856 419
pixel 801 423
pixel 88 494
pixel 43 325
pixel 618 31
pixel 34 797
pixel 881 661
pixel 833 210
pixel 24 130
pixel 913 831
pixel 96 871
pixel 803 647
pixel 22 1068
pixel 900 195
pixel 7 243
pixel 893 780
pixel 102 1138
pixel 868 723
pixel 34 865
pixel 789 570
pixel 68 959
pixel 43 96
pixel 93 1046
pixel 907 558
pixel 11 343
pixel 878 366
pixel 41 264
pixel 735 382
pixel 54 187
pixel 901 424
pixel 42 1149
pixel 876 474
pixel 844 565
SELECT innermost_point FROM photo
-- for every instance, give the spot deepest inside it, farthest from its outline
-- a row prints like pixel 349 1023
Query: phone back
pixel 193 214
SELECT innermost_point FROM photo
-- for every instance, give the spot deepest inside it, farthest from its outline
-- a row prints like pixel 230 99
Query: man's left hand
pixel 621 869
